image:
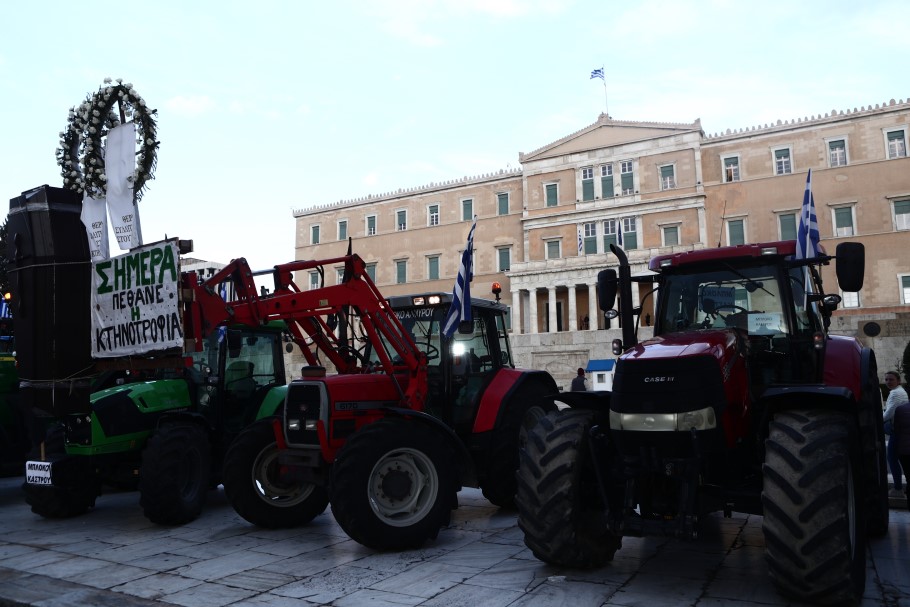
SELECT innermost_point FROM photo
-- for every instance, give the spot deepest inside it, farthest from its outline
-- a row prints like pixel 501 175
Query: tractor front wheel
pixel 559 508
pixel 254 484
pixel 394 484
pixel 815 536
pixel 174 475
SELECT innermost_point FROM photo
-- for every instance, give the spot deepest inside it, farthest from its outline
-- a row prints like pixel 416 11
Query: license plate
pixel 38 473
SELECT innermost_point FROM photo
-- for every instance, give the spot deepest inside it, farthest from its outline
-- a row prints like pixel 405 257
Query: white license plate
pixel 38 473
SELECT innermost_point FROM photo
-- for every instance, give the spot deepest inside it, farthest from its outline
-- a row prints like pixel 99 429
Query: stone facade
pixel 543 230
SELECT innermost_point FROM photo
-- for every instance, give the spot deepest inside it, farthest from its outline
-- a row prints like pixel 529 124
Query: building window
pixel 314 280
pixel 897 143
pixel 670 235
pixel 371 271
pixel 606 180
pixel 667 177
pixel 433 267
pixel 905 289
pixel 552 194
pixel 343 229
pixel 401 271
pixel 339 276
pixel 371 225
pixel 902 214
pixel 837 153
pixel 850 299
pixel 467 209
pixel 629 234
pixel 736 232
pixel 609 226
pixel 782 162
pixel 731 168
pixel 433 215
pixel 504 259
pixel 314 234
pixel 787 224
pixel 627 177
pixel 587 183
pixel 502 204
pixel 401 220
pixel 843 221
pixel 590 238
pixel 553 249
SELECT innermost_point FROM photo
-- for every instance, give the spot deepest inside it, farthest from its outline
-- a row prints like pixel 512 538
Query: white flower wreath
pixel 81 153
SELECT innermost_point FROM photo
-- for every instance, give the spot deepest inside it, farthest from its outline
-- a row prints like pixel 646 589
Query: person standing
pixel 901 433
pixel 580 383
pixel 896 396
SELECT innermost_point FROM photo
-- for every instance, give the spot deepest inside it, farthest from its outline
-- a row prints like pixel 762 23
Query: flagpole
pixel 606 104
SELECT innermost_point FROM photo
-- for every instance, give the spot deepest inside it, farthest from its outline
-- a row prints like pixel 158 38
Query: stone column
pixel 551 298
pixel 516 312
pixel 532 310
pixel 573 314
pixel 592 307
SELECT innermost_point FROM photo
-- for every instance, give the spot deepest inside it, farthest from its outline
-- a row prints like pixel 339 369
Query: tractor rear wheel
pixel 254 485
pixel 174 475
pixel 815 536
pixel 559 509
pixel 394 484
pixel 500 484
pixel 75 491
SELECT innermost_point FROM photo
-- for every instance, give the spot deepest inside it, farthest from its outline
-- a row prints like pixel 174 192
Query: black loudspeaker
pixel 50 282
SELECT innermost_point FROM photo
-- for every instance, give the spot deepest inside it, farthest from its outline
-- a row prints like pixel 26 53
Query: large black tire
pixel 500 483
pixel 174 474
pixel 559 508
pixel 815 537
pixel 256 491
pixel 394 484
pixel 75 492
pixel 874 460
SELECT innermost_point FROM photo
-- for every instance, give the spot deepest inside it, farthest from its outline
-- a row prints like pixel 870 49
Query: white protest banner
pixel 119 166
pixel 135 303
pixel 94 217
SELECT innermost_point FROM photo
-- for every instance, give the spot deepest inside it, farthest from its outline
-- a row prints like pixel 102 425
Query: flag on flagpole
pixel 807 235
pixel 598 73
pixel 581 242
pixel 619 232
pixel 460 310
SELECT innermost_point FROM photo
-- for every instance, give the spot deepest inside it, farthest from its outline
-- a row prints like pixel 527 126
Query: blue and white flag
pixel 4 309
pixel 598 73
pixel 807 236
pixel 460 310
pixel 581 242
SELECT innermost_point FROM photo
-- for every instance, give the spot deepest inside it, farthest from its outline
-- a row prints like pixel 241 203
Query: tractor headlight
pixel 700 419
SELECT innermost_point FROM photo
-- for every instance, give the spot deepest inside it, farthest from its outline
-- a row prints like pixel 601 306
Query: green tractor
pixel 165 432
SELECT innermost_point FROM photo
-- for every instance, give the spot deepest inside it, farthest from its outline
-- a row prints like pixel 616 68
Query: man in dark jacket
pixel 579 384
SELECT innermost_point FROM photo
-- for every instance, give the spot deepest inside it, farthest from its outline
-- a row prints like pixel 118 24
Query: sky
pixel 269 106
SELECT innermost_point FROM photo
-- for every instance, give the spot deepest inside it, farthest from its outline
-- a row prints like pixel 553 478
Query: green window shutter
pixel 315 235
pixel 371 271
pixel 504 260
pixel 843 218
pixel 629 240
pixel 627 183
pixel 371 225
pixel 587 189
pixel 401 272
pixel 736 231
pixel 787 226
pixel 467 209
pixel 433 268
pixel 342 230
pixel 553 250
pixel 551 195
pixel 401 220
pixel 896 136
pixel 503 203
pixel 671 236
pixel 902 207
pixel 590 245
pixel 606 186
pixel 608 240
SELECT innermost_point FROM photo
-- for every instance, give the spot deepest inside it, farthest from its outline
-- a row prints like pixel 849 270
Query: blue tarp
pixel 600 364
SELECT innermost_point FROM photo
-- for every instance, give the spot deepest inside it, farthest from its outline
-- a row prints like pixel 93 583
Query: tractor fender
pixel 273 402
pixel 805 396
pixel 506 385
pixel 467 473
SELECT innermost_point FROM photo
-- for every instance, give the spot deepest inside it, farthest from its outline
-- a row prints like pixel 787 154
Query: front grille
pixel 303 407
pixel 672 385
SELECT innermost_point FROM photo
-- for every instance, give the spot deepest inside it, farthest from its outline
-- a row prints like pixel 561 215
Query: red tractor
pixel 741 401
pixel 410 416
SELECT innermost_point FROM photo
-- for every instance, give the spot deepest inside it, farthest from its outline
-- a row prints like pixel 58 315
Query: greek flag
pixel 460 310
pixel 598 73
pixel 807 233
pixel 4 309
pixel 581 242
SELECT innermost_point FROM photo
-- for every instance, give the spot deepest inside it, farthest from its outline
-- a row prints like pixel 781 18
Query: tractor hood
pixel 720 344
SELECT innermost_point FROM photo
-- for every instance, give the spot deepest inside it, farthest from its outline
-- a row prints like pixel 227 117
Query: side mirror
pixel 851 265
pixel 466 327
pixel 234 343
pixel 607 285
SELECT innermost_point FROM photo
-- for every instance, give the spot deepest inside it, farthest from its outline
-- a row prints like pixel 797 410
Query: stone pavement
pixel 114 556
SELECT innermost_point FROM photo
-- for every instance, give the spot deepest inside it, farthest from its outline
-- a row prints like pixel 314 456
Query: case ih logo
pixel 656 379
